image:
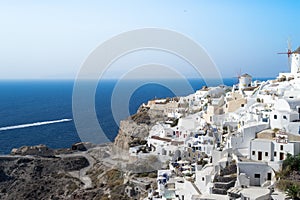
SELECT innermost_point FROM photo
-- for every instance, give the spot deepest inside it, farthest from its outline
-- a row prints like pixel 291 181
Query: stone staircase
pixel 225 180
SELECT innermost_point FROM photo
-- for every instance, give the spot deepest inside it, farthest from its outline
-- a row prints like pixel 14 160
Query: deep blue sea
pixel 29 102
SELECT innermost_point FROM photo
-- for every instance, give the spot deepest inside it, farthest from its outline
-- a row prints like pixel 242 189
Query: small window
pixel 284 117
pixel 281 147
pixel 253 153
pixel 275 116
pixel 275 153
pixel 256 175
pixel 202 178
pixel 266 153
pixel 242 105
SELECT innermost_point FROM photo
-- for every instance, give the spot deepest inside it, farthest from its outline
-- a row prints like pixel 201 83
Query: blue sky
pixel 51 39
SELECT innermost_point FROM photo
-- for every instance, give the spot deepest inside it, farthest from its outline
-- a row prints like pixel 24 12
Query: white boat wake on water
pixel 34 124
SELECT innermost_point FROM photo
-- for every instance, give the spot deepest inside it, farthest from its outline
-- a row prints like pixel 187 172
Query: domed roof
pixel 282 105
pixel 286 104
pixel 246 75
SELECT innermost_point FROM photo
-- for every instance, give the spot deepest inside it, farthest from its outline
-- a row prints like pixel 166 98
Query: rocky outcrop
pixel 39 177
pixel 137 127
pixel 128 131
pixel 74 174
pixel 82 146
pixel 39 150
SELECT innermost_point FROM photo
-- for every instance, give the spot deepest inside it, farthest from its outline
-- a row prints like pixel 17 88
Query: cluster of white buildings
pixel 224 143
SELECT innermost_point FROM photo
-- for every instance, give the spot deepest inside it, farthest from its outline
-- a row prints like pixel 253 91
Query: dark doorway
pixel 269 176
pixel 281 157
pixel 257 179
pixel 259 155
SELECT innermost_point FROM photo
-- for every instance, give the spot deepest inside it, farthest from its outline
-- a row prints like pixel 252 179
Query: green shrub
pixel 293 191
pixel 288 182
pixel 292 161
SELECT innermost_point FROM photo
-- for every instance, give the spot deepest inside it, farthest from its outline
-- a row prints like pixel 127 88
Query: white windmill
pixel 294 60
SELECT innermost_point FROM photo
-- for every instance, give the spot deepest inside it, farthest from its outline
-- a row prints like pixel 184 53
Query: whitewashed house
pixel 214 109
pixel 201 143
pixel 204 178
pixel 286 115
pixel 273 151
pixel 252 173
pixel 234 101
pixel 240 141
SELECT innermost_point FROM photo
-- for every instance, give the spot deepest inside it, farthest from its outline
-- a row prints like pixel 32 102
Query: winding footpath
pixel 81 174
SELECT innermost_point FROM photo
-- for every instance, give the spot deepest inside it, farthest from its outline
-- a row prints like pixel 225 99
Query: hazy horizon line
pixel 74 79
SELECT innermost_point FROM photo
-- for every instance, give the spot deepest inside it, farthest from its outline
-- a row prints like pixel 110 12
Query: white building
pixel 240 141
pixel 251 173
pixel 295 63
pixel 273 151
pixel 245 81
pixel 201 143
pixel 286 115
pixel 204 178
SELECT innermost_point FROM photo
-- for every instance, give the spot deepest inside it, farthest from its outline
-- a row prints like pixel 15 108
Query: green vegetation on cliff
pixel 289 176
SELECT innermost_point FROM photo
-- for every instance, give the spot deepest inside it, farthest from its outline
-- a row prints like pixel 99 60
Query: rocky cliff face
pixel 137 127
pixel 128 132
pixel 39 178
pixel 93 174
